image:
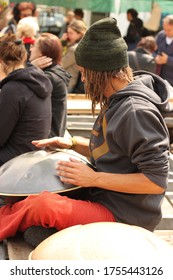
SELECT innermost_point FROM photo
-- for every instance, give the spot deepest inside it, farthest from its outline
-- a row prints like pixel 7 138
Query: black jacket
pixel 140 59
pixel 25 111
pixel 60 80
pixel 134 31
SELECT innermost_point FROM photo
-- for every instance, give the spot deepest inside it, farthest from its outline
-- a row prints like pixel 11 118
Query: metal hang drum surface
pixel 34 172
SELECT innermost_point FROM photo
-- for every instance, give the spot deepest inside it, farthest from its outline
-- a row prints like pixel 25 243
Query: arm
pixel 127 183
pixel 162 58
pixel 81 145
pixel 147 148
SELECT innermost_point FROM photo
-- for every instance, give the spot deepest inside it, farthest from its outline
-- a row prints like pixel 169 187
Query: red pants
pixel 50 210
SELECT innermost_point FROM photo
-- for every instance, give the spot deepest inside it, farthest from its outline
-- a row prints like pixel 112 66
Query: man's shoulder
pixel 160 35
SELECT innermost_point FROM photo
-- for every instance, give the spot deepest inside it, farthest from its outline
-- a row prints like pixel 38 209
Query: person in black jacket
pixel 135 29
pixel 25 100
pixel 19 11
pixel 141 58
pixel 48 48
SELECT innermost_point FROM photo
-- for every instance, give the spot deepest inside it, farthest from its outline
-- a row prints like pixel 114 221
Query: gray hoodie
pixel 131 137
pixel 60 80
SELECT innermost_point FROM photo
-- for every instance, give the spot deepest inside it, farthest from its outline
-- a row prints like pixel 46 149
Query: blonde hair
pixel 27 27
pixel 168 19
pixel 79 26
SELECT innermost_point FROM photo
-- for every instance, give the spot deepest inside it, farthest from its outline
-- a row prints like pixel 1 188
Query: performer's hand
pixel 55 142
pixel 76 172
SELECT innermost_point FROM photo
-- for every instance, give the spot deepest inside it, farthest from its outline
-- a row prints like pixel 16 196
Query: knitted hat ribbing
pixel 102 48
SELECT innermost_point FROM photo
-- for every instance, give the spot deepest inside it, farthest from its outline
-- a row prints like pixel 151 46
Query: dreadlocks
pixel 96 83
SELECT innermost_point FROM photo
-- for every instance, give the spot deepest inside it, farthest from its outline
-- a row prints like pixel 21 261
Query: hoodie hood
pixel 60 72
pixel 151 87
pixel 34 78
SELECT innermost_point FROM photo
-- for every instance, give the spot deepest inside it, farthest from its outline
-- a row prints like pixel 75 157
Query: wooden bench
pixel 80 125
pixel 78 104
pixel 80 119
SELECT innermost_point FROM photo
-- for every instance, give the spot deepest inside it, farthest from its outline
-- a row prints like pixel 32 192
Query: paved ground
pixel 2 251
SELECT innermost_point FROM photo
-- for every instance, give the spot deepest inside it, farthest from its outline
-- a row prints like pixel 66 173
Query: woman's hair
pixel 27 27
pixel 21 7
pixel 12 50
pixel 148 43
pixel 50 46
pixel 96 83
pixel 79 26
pixel 79 13
pixel 133 12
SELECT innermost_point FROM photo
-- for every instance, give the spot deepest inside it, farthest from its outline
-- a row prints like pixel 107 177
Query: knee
pixel 40 202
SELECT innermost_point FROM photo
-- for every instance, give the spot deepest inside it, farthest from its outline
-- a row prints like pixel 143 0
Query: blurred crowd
pixel 54 54
pixel 148 50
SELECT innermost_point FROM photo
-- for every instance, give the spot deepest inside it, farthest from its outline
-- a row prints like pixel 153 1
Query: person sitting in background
pixel 20 10
pixel 24 9
pixel 49 46
pixel 141 58
pixel 27 29
pixel 25 100
pixel 68 19
pixel 135 29
pixel 164 53
pixel 5 14
pixel 75 31
pixel 78 14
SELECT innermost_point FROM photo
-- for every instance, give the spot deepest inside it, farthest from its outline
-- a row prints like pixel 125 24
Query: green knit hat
pixel 102 48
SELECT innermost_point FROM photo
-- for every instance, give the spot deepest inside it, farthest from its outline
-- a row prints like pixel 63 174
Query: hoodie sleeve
pixel 143 137
pixel 59 105
pixel 9 112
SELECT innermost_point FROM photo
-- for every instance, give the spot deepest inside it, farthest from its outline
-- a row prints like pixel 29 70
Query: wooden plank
pixel 76 96
pixel 3 251
pixel 166 235
pixel 167 207
pixel 170 184
pixel 169 196
pixel 17 248
pixel 79 104
pixel 80 125
pixel 167 214
pixel 81 118
pixel 166 223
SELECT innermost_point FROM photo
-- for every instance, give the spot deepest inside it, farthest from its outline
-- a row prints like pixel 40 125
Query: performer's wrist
pixel 74 142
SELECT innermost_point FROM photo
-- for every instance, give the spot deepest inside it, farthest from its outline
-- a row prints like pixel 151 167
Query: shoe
pixel 34 235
